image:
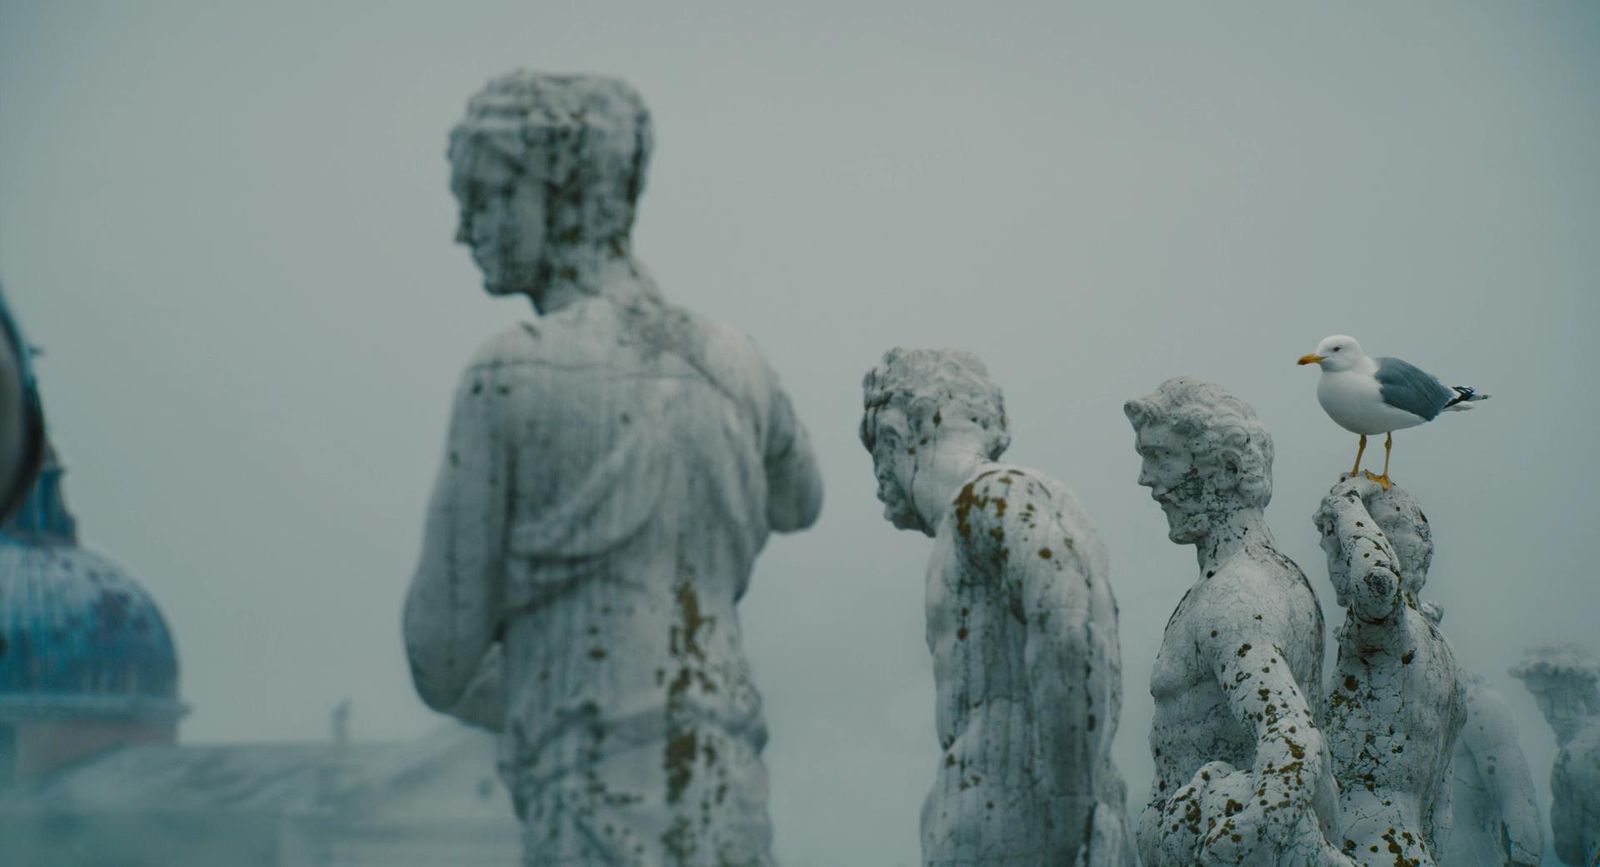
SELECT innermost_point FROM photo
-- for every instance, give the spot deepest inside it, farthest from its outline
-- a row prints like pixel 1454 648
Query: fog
pixel 229 228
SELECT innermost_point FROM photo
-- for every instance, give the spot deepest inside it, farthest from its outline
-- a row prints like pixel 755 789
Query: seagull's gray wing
pixel 1405 386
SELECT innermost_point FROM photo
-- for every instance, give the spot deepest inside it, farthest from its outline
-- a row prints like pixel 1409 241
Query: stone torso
pixel 1239 626
pixel 1017 597
pixel 612 472
pixel 1394 712
pixel 1259 597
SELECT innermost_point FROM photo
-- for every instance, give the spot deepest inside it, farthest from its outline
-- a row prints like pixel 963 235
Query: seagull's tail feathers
pixel 1464 398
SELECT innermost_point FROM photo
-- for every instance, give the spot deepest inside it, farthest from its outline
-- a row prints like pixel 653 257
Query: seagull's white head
pixel 1339 352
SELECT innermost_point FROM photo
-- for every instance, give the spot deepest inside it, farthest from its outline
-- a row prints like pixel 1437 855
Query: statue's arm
pixel 1071 682
pixel 794 484
pixel 1370 578
pixel 1290 755
pixel 1491 737
pixel 454 607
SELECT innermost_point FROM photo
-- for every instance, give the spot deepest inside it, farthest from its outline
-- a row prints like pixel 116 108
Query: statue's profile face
pixel 502 220
pixel 1406 528
pixel 1177 481
pixel 1564 707
pixel 894 462
pixel 1413 550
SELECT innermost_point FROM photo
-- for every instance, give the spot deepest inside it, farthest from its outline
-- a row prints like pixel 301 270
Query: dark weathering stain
pixel 681 749
pixel 682 743
pixel 969 499
pixel 685 639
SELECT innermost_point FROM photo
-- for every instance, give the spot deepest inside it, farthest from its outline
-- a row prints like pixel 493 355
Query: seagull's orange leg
pixel 1388 444
pixel 1356 470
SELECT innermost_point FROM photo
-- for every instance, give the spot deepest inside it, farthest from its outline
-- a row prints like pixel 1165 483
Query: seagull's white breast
pixel 1354 400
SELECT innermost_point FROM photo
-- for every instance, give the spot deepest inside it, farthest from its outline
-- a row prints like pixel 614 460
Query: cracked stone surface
pixel 1021 622
pixel 1494 810
pixel 1565 681
pixel 1242 773
pixel 611 472
pixel 1397 704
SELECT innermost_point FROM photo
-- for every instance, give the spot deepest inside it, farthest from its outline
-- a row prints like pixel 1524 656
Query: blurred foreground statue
pixel 1396 706
pixel 1494 810
pixel 1565 680
pixel 21 420
pixel 1242 774
pixel 612 471
pixel 1022 625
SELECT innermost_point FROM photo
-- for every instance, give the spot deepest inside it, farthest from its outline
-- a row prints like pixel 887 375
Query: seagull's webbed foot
pixel 1383 480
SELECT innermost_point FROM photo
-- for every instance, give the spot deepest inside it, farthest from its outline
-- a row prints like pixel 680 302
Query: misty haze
pixel 229 232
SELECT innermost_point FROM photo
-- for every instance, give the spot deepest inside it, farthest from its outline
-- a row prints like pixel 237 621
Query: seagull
pixel 1371 396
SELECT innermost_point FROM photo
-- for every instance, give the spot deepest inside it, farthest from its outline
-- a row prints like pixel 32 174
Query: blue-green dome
pixel 78 636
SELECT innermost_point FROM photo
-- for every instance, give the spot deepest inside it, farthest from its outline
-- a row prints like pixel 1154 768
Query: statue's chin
pixel 500 289
pixel 1189 530
pixel 903 518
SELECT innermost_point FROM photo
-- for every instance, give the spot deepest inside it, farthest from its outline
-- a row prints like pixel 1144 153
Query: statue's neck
pixel 953 462
pixel 579 273
pixel 1230 535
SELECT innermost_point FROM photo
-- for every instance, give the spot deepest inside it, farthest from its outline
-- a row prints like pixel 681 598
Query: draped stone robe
pixel 611 473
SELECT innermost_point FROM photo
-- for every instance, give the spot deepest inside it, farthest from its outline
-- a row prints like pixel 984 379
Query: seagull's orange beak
pixel 1310 359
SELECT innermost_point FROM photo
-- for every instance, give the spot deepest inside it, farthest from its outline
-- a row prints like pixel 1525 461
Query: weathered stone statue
pixel 1494 811
pixel 1242 775
pixel 1022 625
pixel 1396 705
pixel 612 471
pixel 1565 680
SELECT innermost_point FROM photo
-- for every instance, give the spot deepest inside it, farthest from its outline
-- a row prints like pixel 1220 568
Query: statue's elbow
pixel 795 510
pixel 439 694
pixel 432 675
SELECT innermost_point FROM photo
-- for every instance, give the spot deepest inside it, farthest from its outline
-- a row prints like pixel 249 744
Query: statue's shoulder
pixel 995 493
pixel 1586 743
pixel 1250 599
pixel 723 353
pixel 572 338
pixel 516 343
pixel 1008 504
pixel 1264 573
pixel 721 341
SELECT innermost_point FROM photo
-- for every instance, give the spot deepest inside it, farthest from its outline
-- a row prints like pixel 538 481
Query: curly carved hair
pixel 1405 530
pixel 587 138
pixel 1396 511
pixel 1558 660
pixel 1222 427
pixel 928 384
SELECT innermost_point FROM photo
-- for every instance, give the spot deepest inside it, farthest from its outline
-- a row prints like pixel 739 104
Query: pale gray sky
pixel 229 226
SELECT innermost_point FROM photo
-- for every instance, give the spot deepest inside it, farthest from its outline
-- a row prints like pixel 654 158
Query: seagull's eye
pixel 1337 348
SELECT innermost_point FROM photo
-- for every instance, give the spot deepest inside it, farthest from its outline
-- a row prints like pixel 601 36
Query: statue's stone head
pixel 547 170
pixel 1205 455
pixel 1399 517
pixel 1402 521
pixel 917 401
pixel 1565 680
